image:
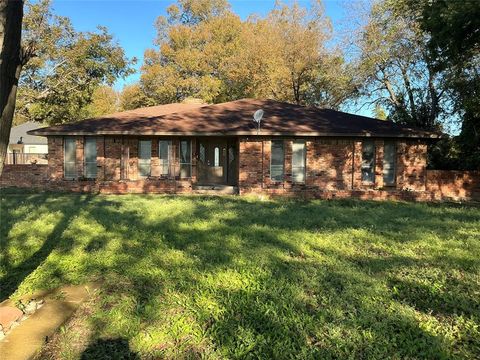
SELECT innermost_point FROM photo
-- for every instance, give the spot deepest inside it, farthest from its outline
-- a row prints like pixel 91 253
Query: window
pixel 164 147
pixel 389 163
pixel 185 159
pixel 144 157
pixel 298 161
pixel 69 156
pixel 202 153
pixel 90 157
pixel 216 160
pixel 368 161
pixel 277 160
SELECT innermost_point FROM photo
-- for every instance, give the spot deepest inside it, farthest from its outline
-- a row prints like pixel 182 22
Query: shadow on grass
pixel 258 279
pixel 107 349
pixel 15 274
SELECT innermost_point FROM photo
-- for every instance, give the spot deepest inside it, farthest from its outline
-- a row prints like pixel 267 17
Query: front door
pixel 212 165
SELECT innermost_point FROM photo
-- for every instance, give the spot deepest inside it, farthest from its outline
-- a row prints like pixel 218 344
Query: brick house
pixel 193 147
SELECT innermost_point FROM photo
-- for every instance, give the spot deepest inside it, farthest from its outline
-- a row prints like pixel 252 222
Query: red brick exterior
pixel 24 175
pixel 333 170
pixel 454 185
pixel 332 165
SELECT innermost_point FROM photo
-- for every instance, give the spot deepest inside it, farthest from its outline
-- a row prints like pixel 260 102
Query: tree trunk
pixel 411 97
pixel 11 15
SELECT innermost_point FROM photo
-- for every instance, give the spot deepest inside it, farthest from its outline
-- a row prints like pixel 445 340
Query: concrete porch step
pixel 215 189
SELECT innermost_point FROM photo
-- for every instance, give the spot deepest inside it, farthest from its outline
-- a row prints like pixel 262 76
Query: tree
pixel 379 112
pixel 206 51
pixel 65 66
pixel 453 28
pixel 12 58
pixel 398 73
pixel 133 97
pixel 105 100
pixel 194 40
pixel 304 64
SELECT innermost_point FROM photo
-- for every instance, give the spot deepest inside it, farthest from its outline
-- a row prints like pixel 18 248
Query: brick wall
pixel 333 169
pixel 332 164
pixel 27 175
pixel 455 185
pixel 411 165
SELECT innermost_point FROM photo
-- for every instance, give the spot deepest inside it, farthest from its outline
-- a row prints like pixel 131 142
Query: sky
pixel 132 21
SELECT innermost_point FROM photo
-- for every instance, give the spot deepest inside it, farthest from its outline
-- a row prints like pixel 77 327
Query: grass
pixel 228 277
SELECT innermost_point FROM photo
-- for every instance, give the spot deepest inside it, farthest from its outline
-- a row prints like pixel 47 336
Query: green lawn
pixel 229 277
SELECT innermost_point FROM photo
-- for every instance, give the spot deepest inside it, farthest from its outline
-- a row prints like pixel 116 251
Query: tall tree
pixel 398 73
pixel 194 40
pixel 453 30
pixel 57 85
pixel 205 51
pixel 12 58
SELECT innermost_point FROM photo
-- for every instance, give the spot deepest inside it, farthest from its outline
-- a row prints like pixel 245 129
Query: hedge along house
pixel 192 147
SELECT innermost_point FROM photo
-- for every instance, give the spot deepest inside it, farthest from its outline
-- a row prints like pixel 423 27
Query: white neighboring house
pixel 24 148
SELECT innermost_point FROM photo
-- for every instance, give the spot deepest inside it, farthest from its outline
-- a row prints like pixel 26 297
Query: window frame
pixel 144 160
pixel 74 162
pixel 85 162
pixel 394 163
pixel 168 159
pixel 372 165
pixel 304 166
pixel 180 163
pixel 282 177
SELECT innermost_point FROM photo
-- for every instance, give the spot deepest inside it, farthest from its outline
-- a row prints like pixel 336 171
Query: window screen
pixel 185 159
pixel 298 161
pixel 368 161
pixel 144 157
pixel 277 160
pixel 90 157
pixel 70 149
pixel 389 163
pixel 164 147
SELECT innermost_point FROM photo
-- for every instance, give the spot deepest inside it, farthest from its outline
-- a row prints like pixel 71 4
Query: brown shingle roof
pixel 235 118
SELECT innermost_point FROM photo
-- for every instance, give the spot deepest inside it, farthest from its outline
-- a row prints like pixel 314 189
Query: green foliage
pixel 396 70
pixel 227 277
pixel 64 67
pixel 452 34
pixel 420 60
pixel 379 112
pixel 453 27
pixel 105 100
pixel 445 155
pixel 133 97
pixel 206 51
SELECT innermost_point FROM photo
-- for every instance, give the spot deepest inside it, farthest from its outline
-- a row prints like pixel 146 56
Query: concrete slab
pixel 24 341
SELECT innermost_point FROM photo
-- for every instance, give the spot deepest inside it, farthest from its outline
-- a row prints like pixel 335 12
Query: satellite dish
pixel 257 116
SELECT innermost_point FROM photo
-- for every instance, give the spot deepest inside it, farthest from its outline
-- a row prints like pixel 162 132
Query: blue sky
pixel 132 21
